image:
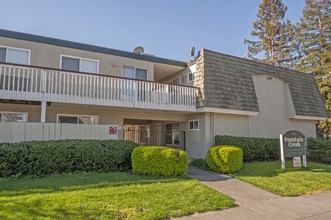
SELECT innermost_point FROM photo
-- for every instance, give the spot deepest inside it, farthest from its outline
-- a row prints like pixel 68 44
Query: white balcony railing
pixel 51 85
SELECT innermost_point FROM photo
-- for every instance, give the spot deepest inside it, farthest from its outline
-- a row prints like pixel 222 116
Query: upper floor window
pixel 175 81
pixel 14 55
pixel 134 73
pixel 13 116
pixel 190 77
pixel 79 64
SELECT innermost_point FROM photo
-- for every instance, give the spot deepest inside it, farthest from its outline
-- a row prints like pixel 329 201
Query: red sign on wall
pixel 113 130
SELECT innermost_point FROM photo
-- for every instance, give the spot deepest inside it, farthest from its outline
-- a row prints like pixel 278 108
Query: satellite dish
pixel 192 51
pixel 138 50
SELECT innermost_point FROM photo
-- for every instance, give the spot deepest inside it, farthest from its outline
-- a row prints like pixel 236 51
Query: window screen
pixel 128 72
pixel 88 66
pixel 13 117
pixel 141 74
pixel 68 119
pixel 17 56
pixel 70 64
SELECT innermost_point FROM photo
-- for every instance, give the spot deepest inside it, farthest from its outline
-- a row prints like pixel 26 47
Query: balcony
pixel 18 82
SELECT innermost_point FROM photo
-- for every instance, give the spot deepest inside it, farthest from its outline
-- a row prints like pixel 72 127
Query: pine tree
pixel 275 43
pixel 314 36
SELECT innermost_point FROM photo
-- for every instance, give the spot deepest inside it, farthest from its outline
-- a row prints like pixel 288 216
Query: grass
pixel 291 182
pixel 106 196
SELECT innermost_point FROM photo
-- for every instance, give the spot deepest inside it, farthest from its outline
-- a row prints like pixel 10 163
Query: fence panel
pixel 28 131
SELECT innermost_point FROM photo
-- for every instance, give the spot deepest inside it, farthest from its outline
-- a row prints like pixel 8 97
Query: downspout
pixel 212 128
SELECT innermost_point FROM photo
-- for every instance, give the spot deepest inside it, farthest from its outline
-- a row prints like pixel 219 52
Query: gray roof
pixel 87 47
pixel 229 79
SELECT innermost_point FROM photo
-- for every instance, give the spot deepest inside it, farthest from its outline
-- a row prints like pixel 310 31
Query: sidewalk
pixel 255 203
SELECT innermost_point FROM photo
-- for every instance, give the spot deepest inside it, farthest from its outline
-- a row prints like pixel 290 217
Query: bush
pixel 319 150
pixel 200 163
pixel 39 158
pixel 159 161
pixel 225 159
pixel 254 149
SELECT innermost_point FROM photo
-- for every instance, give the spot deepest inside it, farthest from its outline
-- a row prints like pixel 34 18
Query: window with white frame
pixel 13 116
pixel 193 125
pixel 190 77
pixel 79 64
pixel 134 73
pixel 77 119
pixel 14 55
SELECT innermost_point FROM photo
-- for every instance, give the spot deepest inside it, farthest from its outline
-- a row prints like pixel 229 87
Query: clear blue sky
pixel 167 28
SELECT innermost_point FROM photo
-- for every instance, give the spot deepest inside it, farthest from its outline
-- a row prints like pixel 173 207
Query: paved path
pixel 255 203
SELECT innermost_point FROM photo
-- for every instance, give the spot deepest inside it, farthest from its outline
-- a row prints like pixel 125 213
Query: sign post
pixel 292 144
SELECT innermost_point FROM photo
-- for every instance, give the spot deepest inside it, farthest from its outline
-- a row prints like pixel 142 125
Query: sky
pixel 167 28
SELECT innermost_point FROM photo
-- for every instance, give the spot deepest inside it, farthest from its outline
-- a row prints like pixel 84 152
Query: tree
pixel 314 36
pixel 275 43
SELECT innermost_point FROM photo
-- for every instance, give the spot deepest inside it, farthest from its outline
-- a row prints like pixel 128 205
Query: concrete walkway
pixel 255 203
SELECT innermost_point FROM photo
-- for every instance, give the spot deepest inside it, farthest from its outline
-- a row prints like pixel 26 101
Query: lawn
pixel 292 182
pixel 106 196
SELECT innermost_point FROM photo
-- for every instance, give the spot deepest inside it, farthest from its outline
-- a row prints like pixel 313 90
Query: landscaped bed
pixel 106 196
pixel 292 182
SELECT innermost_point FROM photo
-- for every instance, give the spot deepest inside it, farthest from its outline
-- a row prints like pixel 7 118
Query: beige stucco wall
pixel 275 113
pixel 234 125
pixel 47 55
pixel 275 107
pixel 198 142
pixel 32 110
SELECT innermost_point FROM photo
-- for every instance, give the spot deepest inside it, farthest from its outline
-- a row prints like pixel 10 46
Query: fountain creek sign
pixel 292 144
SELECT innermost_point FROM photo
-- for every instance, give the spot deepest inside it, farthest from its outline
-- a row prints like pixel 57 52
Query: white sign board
pixel 297 161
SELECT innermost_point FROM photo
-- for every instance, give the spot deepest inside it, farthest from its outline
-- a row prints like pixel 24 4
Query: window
pixel 175 81
pixel 193 125
pixel 190 77
pixel 77 119
pixel 172 133
pixel 13 116
pixel 14 55
pixel 79 64
pixel 134 73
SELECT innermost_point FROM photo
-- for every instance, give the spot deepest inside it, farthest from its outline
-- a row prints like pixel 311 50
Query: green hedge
pixel 319 150
pixel 255 149
pixel 159 161
pixel 39 158
pixel 225 159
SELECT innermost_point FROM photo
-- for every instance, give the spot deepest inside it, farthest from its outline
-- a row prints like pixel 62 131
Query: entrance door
pixel 174 137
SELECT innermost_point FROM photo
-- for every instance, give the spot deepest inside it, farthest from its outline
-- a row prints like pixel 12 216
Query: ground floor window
pixel 193 125
pixel 77 119
pixel 172 133
pixel 13 116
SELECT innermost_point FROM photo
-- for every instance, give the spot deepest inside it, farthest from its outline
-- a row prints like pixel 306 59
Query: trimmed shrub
pixel 254 149
pixel 225 159
pixel 159 161
pixel 39 158
pixel 319 150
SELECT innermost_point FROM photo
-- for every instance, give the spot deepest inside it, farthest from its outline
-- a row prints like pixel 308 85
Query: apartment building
pixel 58 89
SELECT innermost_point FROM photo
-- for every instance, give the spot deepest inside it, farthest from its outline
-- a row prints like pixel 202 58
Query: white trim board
pixel 302 117
pixel 228 111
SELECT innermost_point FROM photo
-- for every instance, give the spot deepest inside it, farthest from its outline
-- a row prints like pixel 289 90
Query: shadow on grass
pixel 273 168
pixel 72 182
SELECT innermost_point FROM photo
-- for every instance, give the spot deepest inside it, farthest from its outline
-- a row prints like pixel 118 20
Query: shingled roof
pixel 228 84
